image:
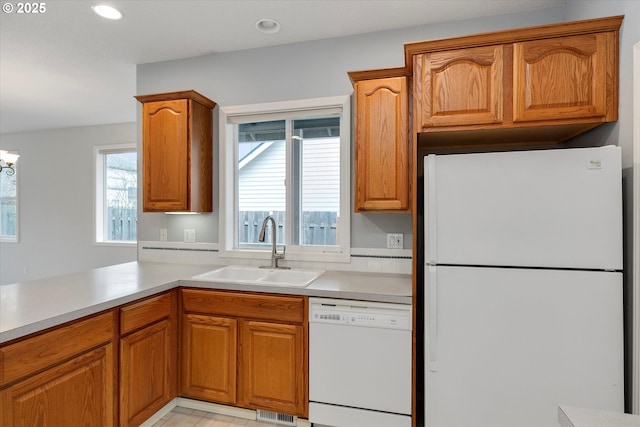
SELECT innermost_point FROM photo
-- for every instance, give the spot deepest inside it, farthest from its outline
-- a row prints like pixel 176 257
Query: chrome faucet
pixel 275 256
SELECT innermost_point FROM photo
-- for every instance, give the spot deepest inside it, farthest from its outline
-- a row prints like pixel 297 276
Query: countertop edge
pixel 52 322
pixel 153 289
pixel 569 416
pixel 363 296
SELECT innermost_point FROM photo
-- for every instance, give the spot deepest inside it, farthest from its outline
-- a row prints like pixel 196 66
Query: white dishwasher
pixel 359 363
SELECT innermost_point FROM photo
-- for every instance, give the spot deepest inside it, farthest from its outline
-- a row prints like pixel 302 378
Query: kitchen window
pixel 116 202
pixel 9 205
pixel 289 160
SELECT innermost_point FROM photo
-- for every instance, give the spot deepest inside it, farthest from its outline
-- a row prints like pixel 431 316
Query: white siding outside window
pixel 289 160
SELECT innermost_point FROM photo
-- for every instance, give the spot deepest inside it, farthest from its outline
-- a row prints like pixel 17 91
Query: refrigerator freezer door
pixel 547 208
pixel 513 344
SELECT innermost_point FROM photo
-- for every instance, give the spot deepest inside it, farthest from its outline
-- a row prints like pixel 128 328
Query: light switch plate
pixel 189 235
pixel 394 241
pixel 163 234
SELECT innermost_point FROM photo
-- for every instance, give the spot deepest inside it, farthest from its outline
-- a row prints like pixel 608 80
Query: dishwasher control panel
pixel 360 313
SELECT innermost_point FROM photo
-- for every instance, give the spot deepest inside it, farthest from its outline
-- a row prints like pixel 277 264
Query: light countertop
pixel 33 306
pixel 581 417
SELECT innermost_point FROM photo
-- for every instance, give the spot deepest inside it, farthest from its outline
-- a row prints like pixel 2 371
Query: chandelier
pixel 7 161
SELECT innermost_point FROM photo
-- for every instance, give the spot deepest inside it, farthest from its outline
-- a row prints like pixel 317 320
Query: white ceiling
pixel 67 67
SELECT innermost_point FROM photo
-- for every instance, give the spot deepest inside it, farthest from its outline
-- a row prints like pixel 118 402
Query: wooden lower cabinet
pixel 121 366
pixel 209 346
pixel 273 368
pixel 248 350
pixel 148 357
pixel 145 376
pixel 78 392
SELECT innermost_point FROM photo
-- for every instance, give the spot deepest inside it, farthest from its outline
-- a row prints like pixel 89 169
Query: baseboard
pixel 213 408
pixel 161 413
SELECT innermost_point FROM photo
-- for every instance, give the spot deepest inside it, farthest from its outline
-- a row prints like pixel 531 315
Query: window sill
pixel 291 255
pixel 118 244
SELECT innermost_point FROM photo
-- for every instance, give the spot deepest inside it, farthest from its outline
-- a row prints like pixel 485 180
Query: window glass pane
pixel 287 159
pixel 261 180
pixel 8 204
pixel 316 152
pixel 120 196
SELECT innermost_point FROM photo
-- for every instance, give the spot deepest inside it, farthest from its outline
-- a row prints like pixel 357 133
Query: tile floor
pixel 184 417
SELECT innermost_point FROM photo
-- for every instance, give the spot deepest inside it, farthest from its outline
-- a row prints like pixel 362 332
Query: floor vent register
pixel 277 418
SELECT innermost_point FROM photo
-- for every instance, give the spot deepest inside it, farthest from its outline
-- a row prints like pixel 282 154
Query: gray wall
pixel 299 71
pixel 620 133
pixel 52 160
pixel 55 184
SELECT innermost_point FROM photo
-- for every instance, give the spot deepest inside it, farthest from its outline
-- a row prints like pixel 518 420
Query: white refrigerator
pixel 522 286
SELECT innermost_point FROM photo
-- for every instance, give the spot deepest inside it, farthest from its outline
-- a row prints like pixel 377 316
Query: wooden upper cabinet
pixel 536 85
pixel 564 77
pixel 177 152
pixel 461 87
pixel 382 146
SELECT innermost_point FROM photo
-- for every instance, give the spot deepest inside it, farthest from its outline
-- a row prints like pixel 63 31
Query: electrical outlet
pixel 189 235
pixel 394 241
pixel 163 234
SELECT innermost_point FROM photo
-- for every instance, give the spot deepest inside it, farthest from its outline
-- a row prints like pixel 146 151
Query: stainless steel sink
pixel 247 275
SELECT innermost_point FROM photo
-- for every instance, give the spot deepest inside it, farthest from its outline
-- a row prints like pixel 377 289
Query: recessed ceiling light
pixel 107 11
pixel 268 25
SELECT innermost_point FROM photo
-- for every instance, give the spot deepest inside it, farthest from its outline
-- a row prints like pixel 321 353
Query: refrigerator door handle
pixel 430 225
pixel 432 338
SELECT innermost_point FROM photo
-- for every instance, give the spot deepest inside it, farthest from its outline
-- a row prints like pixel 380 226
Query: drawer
pixel 34 354
pixel 285 308
pixel 145 312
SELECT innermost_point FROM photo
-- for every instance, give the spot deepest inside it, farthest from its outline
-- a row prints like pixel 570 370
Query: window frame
pixel 228 178
pixel 15 238
pixel 99 171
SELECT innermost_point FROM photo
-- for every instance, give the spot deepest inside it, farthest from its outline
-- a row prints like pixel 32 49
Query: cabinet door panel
pixel 146 312
pixel 79 392
pixel 147 372
pixel 561 78
pixel 283 308
pixel 461 87
pixel 273 374
pixel 165 155
pixel 209 358
pixel 33 354
pixel 382 145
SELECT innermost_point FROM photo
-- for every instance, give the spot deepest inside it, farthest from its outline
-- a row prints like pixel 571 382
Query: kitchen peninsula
pixel 28 307
pixel 112 328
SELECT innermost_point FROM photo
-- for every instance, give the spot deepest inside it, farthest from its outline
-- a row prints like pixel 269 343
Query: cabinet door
pixel 460 87
pixel 79 392
pixel 147 372
pixel 382 145
pixel 209 358
pixel 563 78
pixel 165 155
pixel 273 368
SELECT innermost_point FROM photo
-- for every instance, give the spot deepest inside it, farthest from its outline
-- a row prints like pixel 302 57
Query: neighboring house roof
pixel 262 172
